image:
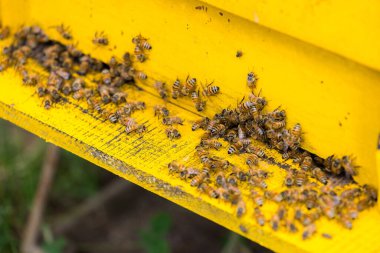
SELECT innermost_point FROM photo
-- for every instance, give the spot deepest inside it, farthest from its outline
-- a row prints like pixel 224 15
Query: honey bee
pixel 241 209
pixel 258 182
pixel 289 179
pixel 241 175
pixel 100 39
pixel 54 80
pixel 291 226
pixel 278 115
pixel 306 163
pixel 278 124
pixel 210 90
pixel 252 149
pixel 111 116
pixel 189 173
pixel 296 130
pixel 48 101
pixel 275 222
pixel 259 216
pixel 172 133
pixel 232 180
pixel 53 91
pixel 281 211
pixel 132 126
pixel 160 110
pixel 348 166
pixel 4 32
pixel 257 198
pixel 176 89
pixel 66 88
pixel 345 220
pixel 198 102
pixel 141 42
pixel 63 31
pixel 210 191
pixel 41 90
pixel 217 129
pixel 4 64
pixel 172 120
pixel 251 80
pixel 252 160
pixel 199 179
pixel 94 104
pixel 327 236
pixel 327 206
pixel 220 179
pixel 141 75
pixel 83 93
pixel 104 93
pixel 84 67
pixel 211 143
pixel 309 231
pixel 202 123
pixel 203 155
pixel 239 54
pixel 189 86
pixel 258 101
pixel 231 135
pixel 333 165
pixel 235 148
pixel 319 175
pixel 77 84
pixel 30 78
pixel 63 73
pixel 176 167
pixel 352 209
pixel 161 88
pixel 301 178
pixel 241 226
pixel 119 97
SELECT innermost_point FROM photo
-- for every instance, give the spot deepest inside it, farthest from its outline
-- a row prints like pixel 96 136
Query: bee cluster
pixel 68 71
pixel 314 189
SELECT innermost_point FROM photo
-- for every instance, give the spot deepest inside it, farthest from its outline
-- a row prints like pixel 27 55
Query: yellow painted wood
pixel 143 160
pixel 348 28
pixel 335 99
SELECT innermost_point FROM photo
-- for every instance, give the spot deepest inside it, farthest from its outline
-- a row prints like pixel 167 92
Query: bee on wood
pixel 252 149
pixel 83 93
pixel 198 102
pixel 306 163
pixel 210 191
pixel 176 89
pixel 349 168
pixel 66 88
pixel 257 198
pixel 176 167
pixel 4 32
pixel 141 75
pixel 210 90
pixel 160 110
pixel 211 143
pixel 235 148
pixel 172 121
pixel 132 126
pixel 189 86
pixel 258 182
pixel 161 88
pixel 41 90
pixel 291 226
pixel 172 133
pixel 111 116
pixel 252 160
pixel 241 208
pixel 297 130
pixel 199 179
pixel 203 154
pixel 309 231
pixel 48 101
pixel 30 78
pixel 94 104
pixel 333 165
pixel 300 178
pixel 141 42
pixel 239 54
pixel 104 94
pixel 289 179
pixel 64 32
pixel 119 97
pixel 77 84
pixel 53 91
pixel 217 129
pixel 220 179
pixel 251 80
pixel 259 102
pixel 100 39
pixel 259 216
pixel 202 123
pixel 319 175
pixel 275 222
pixel 189 173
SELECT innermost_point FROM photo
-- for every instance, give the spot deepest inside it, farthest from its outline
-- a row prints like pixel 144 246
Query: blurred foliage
pixel 154 238
pixel 21 157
